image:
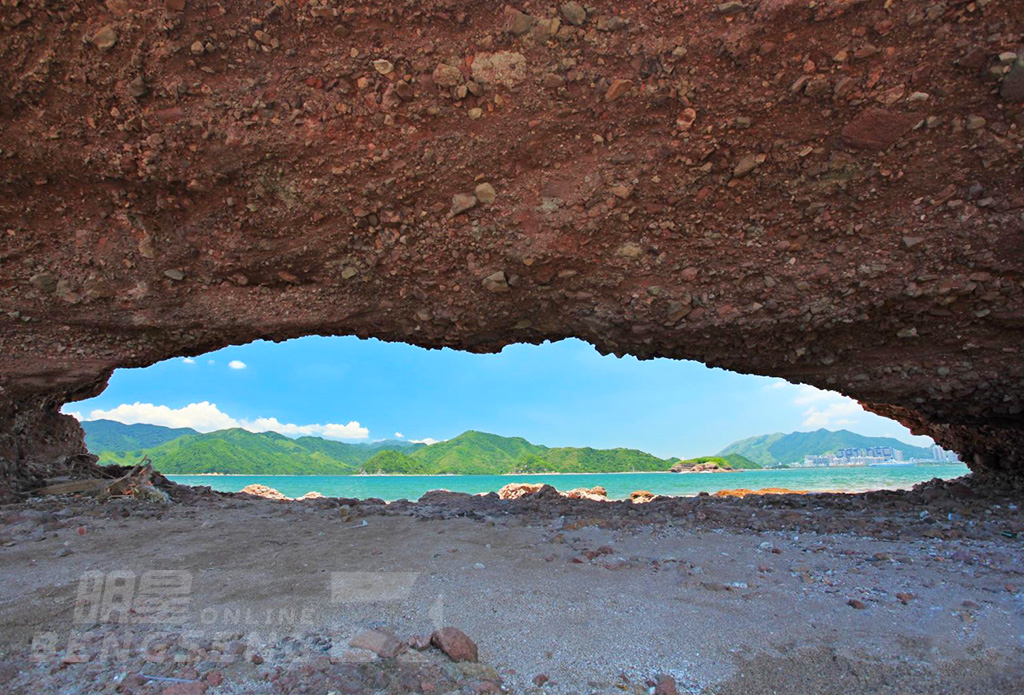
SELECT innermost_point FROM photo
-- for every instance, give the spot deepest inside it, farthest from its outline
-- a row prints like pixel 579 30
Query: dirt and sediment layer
pixel 892 591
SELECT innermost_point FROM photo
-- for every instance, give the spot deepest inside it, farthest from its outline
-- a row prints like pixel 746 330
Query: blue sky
pixel 559 394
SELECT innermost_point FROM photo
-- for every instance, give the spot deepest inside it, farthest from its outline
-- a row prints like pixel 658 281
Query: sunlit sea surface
pixel 618 485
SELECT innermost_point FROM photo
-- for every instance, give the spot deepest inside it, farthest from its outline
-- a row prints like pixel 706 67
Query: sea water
pixel 618 485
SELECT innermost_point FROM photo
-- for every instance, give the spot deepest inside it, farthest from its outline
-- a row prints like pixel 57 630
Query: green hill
pixel 108 435
pixel 773 449
pixel 481 453
pixel 242 452
pixel 734 461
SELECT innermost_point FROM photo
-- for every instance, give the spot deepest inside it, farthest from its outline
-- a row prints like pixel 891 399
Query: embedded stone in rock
pixel 617 89
pixel 105 38
pixel 1012 88
pixel 454 642
pixel 485 193
pixel 504 68
pixel 878 129
pixel 745 166
pixel 447 76
pixel 461 202
pixel 574 13
pixel 496 282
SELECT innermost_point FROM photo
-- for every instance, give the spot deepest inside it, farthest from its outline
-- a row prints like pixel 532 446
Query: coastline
pixel 525 475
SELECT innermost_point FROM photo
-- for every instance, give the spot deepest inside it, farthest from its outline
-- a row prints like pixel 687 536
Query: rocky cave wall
pixel 830 192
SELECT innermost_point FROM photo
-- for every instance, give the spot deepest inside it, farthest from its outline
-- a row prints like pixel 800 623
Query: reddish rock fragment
pixel 665 685
pixel 382 643
pixel 455 643
pixel 877 129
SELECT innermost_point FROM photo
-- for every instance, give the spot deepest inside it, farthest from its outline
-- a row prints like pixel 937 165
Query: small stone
pixel 383 644
pixel 854 603
pixel 447 76
pixel 745 166
pixel 665 685
pixel 485 193
pixel 475 113
pixel 617 89
pixel 384 67
pixel 686 119
pixel 553 81
pixel 975 122
pixel 540 679
pixel 454 642
pixel 461 202
pixel 496 282
pixel 1012 88
pixel 520 23
pixel 621 191
pixel 197 48
pixel 349 273
pixel 877 129
pixel 44 282
pixel 574 13
pixel 910 242
pixel 629 250
pixel 731 7
pixel 105 38
pixel 174 274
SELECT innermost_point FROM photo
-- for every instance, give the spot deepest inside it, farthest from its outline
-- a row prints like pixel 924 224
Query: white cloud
pixel 207 417
pixel 838 412
pixel 399 435
pixel 73 413
pixel 188 360
pixel 352 430
pixel 428 440
pixel 236 364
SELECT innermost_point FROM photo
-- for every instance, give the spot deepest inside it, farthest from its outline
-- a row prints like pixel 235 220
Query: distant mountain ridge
pixel 779 448
pixel 238 451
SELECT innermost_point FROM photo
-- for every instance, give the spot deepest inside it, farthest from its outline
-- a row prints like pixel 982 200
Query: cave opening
pixel 346 417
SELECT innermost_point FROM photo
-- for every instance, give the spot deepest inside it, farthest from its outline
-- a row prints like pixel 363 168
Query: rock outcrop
pixel 827 192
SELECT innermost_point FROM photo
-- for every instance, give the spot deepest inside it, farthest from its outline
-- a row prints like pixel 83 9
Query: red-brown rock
pixel 878 129
pixel 454 642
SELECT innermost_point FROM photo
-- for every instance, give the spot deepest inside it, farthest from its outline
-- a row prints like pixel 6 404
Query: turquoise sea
pixel 618 485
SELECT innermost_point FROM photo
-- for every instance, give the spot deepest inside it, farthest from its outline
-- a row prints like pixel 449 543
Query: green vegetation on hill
pixel 481 453
pixel 241 452
pixel 773 449
pixel 108 435
pixel 734 461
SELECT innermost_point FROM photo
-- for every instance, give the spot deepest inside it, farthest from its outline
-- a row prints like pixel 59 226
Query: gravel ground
pixel 269 594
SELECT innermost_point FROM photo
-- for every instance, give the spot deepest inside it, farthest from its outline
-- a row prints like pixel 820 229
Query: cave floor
pixel 255 596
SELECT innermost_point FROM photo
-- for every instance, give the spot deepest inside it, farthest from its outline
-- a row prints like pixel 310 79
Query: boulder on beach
pixel 743 492
pixel 641 496
pixel 257 490
pixel 515 491
pixel 596 493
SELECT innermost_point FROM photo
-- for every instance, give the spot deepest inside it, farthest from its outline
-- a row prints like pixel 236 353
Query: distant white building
pixel 870 456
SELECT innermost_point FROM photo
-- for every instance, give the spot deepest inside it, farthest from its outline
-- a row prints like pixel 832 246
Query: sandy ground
pixel 596 607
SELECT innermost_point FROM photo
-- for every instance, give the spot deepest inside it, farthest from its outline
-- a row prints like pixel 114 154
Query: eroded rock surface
pixel 827 193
